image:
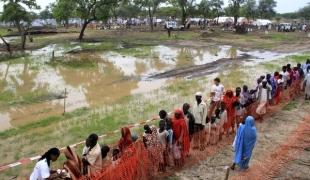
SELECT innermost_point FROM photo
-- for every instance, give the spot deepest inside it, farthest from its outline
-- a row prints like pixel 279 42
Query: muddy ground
pixel 200 70
pixel 279 153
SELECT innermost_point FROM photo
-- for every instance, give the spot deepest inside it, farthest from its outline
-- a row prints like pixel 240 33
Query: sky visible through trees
pixel 283 6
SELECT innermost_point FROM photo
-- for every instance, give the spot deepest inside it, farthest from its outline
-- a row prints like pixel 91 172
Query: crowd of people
pixel 192 127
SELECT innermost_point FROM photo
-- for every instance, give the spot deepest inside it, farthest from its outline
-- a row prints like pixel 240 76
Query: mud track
pixel 199 70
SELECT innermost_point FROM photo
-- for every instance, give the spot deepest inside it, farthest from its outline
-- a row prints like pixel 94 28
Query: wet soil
pixel 280 152
pixel 200 70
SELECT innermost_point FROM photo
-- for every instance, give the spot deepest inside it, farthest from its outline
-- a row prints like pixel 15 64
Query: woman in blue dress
pixel 245 141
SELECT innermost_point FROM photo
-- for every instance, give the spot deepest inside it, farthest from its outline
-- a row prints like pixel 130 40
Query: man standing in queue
pixel 200 113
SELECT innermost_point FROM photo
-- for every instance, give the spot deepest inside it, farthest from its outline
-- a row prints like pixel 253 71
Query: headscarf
pixel 179 128
pixel 245 140
pixel 229 100
pixel 73 163
pixel 152 139
pixel 125 140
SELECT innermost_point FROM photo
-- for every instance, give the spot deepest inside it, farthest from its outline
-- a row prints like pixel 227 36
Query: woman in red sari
pixel 125 140
pixel 229 101
pixel 180 132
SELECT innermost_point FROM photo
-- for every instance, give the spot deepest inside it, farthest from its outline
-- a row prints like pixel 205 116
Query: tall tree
pixel 91 10
pixel 266 8
pixel 216 7
pixel 249 9
pixel 168 11
pixel 204 10
pixel 235 9
pixel 151 7
pixel 186 7
pixel 305 12
pixel 63 10
pixel 46 13
pixel 15 11
pixel 128 10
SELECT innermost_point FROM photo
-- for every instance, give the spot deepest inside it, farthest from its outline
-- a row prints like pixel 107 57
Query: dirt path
pixel 200 70
pixel 279 153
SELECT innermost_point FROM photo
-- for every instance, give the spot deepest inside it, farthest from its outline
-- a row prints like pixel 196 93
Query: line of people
pixel 192 127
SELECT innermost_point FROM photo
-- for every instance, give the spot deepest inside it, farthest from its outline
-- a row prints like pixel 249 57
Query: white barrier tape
pixel 35 158
pixel 14 164
pixel 28 160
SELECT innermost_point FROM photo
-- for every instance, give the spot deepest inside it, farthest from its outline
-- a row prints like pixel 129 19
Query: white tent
pixel 262 22
pixel 224 19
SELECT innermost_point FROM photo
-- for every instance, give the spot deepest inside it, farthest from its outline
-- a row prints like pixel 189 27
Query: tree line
pixel 20 12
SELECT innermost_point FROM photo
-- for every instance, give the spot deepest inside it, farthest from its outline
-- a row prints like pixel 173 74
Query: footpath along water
pixel 32 87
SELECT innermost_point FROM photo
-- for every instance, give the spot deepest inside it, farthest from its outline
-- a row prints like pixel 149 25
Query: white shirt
pixel 285 77
pixel 41 171
pixel 264 95
pixel 218 91
pixel 200 113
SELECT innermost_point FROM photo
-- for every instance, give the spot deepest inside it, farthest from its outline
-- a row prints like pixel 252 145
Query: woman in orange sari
pixel 229 101
pixel 180 132
pixel 73 165
pixel 125 140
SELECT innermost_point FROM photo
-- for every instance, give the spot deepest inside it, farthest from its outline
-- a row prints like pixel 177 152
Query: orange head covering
pixel 178 114
pixel 125 140
pixel 229 93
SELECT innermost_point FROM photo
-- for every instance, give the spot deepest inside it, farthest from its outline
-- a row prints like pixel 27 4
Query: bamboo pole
pixel 65 97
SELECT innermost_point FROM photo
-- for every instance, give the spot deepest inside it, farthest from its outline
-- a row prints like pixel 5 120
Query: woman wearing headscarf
pixel 245 141
pixel 73 165
pixel 229 101
pixel 154 147
pixel 181 135
pixel 125 140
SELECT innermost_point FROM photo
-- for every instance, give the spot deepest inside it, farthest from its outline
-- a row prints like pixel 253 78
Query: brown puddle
pixel 91 79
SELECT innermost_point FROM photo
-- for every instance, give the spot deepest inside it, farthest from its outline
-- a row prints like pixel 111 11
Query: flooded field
pixel 33 87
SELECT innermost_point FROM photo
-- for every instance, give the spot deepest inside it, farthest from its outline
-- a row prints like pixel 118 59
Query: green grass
pixel 290 106
pixel 139 52
pixel 3 32
pixel 9 98
pixel 182 87
pixel 100 46
pixel 74 63
pixel 281 37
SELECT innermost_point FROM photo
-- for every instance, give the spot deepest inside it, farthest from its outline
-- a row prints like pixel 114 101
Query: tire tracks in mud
pixel 199 70
pixel 281 138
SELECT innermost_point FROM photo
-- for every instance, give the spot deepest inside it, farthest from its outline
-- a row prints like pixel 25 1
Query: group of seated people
pixel 192 127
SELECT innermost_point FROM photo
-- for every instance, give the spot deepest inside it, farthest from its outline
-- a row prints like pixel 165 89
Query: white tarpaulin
pixel 224 19
pixel 262 22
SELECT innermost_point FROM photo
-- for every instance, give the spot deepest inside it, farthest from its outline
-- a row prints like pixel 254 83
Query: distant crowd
pixel 191 128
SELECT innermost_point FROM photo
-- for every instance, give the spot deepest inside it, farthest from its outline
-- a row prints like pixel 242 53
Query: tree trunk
pixel 151 19
pixel 235 20
pixel 83 30
pixel 8 47
pixel 184 17
pixel 22 34
pixel 67 23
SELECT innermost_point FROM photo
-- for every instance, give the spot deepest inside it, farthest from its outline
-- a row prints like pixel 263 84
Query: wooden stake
pixel 53 55
pixel 65 97
pixel 227 172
